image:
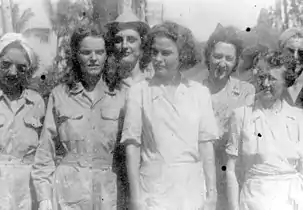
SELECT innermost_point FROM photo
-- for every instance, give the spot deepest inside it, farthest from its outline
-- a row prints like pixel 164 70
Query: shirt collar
pixel 287 110
pixel 26 95
pixel 78 88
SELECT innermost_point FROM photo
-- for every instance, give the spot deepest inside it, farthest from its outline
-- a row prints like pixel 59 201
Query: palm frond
pixel 25 17
pixel 42 33
pixel 15 16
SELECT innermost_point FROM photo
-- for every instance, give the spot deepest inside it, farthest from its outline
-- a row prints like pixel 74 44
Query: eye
pixel 85 52
pixel 166 52
pixel 118 39
pixel 229 58
pixel 5 64
pixel 217 56
pixel 100 52
pixel 131 39
pixel 21 68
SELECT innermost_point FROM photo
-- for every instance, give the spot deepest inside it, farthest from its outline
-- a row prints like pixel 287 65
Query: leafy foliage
pixel 19 22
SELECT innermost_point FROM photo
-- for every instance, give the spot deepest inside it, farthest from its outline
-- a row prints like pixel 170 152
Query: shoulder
pixel 60 89
pixel 137 88
pixel 34 96
pixel 198 88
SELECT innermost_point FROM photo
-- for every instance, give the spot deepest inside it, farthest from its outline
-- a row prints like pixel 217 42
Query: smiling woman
pixel 267 139
pixel 175 113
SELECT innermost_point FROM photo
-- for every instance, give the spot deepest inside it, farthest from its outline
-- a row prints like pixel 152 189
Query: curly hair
pixel 277 59
pixel 34 64
pixel 227 35
pixel 74 74
pixel 189 54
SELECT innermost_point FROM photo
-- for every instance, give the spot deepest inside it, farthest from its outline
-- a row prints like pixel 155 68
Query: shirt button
pixel 94 127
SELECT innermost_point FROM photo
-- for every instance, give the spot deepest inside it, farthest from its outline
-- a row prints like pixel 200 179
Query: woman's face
pixel 92 55
pixel 14 65
pixel 269 81
pixel 222 60
pixel 165 57
pixel 128 45
pixel 294 46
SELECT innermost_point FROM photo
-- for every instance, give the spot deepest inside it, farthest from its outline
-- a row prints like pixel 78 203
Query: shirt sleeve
pixel 208 128
pixel 234 131
pixel 44 165
pixel 132 126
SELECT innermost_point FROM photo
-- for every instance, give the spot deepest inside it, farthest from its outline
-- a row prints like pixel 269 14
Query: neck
pixel 13 93
pixel 89 83
pixel 129 69
pixel 272 105
pixel 171 80
pixel 217 84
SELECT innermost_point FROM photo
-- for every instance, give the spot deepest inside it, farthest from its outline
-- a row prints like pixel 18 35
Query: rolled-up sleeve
pixel 208 128
pixel 132 126
pixel 235 122
pixel 44 165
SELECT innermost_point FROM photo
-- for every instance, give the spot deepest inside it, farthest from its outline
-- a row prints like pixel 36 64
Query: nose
pixel 266 83
pixel 13 71
pixel 124 42
pixel 296 54
pixel 93 56
pixel 158 57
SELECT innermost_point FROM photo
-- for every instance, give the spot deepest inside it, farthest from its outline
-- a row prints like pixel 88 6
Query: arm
pixel 44 165
pixel 208 133
pixel 131 137
pixel 232 152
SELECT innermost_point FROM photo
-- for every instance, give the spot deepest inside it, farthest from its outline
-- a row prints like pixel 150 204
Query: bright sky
pixel 201 16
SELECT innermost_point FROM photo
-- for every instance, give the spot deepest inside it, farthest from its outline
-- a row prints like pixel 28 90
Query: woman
pixel 266 140
pixel 21 113
pixel 291 43
pixel 175 119
pixel 222 55
pixel 84 114
pixel 127 36
pixel 127 66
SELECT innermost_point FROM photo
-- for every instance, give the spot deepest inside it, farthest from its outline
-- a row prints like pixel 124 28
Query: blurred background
pixel 48 23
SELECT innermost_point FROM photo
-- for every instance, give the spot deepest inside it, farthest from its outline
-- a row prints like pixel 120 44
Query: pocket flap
pixel 110 114
pixel 33 122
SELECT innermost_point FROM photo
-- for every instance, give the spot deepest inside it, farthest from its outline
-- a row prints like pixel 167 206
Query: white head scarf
pixel 9 38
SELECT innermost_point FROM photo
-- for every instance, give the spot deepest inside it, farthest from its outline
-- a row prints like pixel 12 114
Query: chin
pixel 128 60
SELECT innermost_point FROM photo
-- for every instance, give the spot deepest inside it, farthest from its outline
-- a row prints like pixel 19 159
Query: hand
pixel 45 205
pixel 211 201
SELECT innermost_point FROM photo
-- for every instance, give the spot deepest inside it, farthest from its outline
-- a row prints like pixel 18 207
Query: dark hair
pixel 189 54
pixel 277 59
pixel 113 74
pixel 34 64
pixel 73 74
pixel 223 34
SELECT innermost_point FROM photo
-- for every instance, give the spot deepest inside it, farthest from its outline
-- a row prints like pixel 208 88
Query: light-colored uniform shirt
pixel 87 130
pixel 268 148
pixel 20 122
pixel 20 126
pixel 169 133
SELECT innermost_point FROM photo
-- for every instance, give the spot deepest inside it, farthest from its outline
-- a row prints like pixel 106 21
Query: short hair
pixel 277 59
pixel 186 44
pixel 227 35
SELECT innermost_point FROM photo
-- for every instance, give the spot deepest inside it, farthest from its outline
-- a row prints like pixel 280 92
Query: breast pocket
pixel 111 123
pixel 71 127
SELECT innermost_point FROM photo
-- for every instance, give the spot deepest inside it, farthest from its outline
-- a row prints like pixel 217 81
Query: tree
pixel 19 23
pixel 64 16
pixel 287 14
